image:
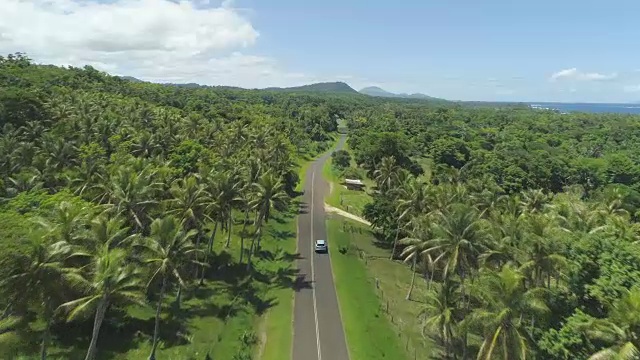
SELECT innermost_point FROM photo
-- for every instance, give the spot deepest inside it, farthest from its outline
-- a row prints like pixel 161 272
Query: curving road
pixel 317 326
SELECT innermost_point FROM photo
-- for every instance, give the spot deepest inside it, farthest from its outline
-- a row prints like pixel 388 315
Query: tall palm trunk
pixel 178 302
pixel 254 246
pixel 395 241
pixel 97 323
pixel 213 235
pixel 209 250
pixel 244 228
pixel 156 327
pixel 413 277
pixel 253 241
pixel 229 229
pixel 466 304
pixel 196 254
pixel 46 334
pixel 259 221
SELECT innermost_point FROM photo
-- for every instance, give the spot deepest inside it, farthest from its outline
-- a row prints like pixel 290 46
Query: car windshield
pixel 320 242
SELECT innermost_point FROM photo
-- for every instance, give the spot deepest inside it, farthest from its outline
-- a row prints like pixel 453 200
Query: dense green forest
pixel 114 193
pixel 521 223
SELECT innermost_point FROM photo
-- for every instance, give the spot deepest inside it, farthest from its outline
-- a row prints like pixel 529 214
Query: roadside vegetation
pixel 148 221
pixel 523 239
pixel 140 220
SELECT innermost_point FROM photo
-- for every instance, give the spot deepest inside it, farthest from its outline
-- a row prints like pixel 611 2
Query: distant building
pixel 354 184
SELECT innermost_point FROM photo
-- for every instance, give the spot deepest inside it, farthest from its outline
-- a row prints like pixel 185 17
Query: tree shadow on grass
pixel 278 219
pixel 282 234
pixel 380 241
pixel 119 334
pixel 222 267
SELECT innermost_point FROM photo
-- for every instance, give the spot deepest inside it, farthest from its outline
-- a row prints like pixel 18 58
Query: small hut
pixel 354 184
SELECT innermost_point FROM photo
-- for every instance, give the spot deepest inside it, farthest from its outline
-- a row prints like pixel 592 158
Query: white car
pixel 321 246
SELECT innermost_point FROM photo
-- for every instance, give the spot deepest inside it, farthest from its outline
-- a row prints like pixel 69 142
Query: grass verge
pixel 369 333
pixel 278 320
pixel 303 162
pixel 379 321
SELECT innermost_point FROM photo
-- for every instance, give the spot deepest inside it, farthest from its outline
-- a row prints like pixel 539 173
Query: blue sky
pixel 485 50
pixel 562 50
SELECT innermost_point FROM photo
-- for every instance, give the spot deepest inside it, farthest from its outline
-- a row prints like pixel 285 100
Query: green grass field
pixel 352 201
pixel 380 323
pixel 370 335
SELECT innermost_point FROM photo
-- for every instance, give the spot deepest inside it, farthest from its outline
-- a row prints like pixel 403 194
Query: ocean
pixel 589 108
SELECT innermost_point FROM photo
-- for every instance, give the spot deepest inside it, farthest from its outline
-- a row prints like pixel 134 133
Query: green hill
pixel 324 87
pixel 379 92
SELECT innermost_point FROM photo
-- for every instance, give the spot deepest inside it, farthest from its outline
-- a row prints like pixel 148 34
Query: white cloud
pixel 575 74
pixel 155 40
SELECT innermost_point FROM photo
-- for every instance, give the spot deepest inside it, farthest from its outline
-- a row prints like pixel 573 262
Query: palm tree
pixel 620 329
pixel 107 229
pixel 9 336
pixel 60 153
pixel 189 202
pixel 416 243
pixel 245 198
pixel 507 232
pixel 41 277
pixel 68 223
pixel 534 201
pixel 458 239
pixel 439 313
pixel 505 304
pixel 111 278
pixel 167 251
pixel 213 213
pixel 411 202
pixel 269 195
pixel 132 193
pixel 386 174
pixel 620 227
pixel 23 181
pixel 229 188
pixel 543 258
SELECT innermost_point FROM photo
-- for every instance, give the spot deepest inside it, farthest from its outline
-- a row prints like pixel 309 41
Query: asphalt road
pixel 317 326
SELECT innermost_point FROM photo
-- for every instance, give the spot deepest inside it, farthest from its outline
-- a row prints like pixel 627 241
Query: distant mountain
pixel 130 78
pixel 376 91
pixel 324 87
pixel 198 86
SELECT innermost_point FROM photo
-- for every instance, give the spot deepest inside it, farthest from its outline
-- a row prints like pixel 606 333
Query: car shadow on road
pixel 303 208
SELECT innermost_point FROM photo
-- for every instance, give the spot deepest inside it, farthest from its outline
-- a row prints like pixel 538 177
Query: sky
pixel 490 50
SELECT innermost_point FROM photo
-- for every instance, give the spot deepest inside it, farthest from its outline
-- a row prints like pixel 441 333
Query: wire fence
pixel 415 349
